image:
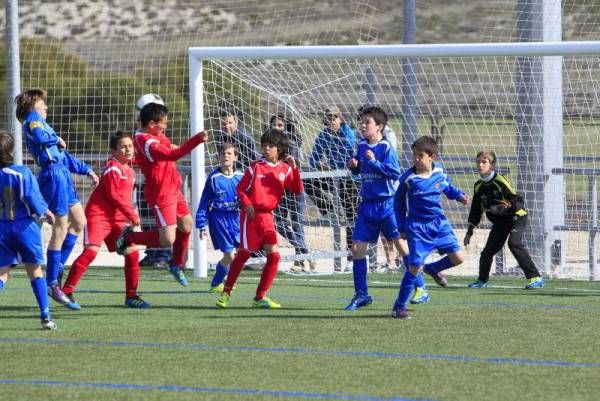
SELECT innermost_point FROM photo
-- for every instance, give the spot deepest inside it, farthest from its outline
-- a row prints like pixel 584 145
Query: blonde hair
pixel 488 154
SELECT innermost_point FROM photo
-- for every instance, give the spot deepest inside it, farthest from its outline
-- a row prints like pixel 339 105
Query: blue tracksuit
pixel 420 215
pixel 379 182
pixel 56 164
pixel 19 231
pixel 219 209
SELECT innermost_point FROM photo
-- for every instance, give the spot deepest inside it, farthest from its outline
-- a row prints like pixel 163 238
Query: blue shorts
pixel 375 217
pixel 224 229
pixel 20 237
pixel 57 188
pixel 424 237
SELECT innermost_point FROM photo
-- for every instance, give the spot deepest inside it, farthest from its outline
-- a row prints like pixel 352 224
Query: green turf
pixel 464 345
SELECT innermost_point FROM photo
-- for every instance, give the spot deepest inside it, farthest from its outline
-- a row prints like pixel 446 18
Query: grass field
pixel 501 343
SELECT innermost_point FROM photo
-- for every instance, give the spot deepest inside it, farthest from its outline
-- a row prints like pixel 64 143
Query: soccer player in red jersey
pixel 260 191
pixel 108 211
pixel 156 156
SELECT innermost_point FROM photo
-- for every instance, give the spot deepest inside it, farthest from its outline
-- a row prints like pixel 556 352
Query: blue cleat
pixel 478 284
pixel 179 275
pixel 137 302
pixel 72 304
pixel 535 282
pixel 421 297
pixel 359 301
pixel 400 313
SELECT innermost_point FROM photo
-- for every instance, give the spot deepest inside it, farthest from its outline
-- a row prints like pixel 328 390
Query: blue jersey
pixel 20 194
pixel 337 147
pixel 419 198
pixel 379 175
pixel 219 194
pixel 42 142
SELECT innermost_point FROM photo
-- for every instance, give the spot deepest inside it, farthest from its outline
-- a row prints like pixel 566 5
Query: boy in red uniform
pixel 156 156
pixel 260 191
pixel 108 210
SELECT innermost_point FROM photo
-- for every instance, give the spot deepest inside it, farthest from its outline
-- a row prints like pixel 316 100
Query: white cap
pixel 147 99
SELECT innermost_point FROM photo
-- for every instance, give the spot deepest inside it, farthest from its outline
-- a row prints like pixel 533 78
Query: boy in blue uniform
pixel 56 185
pixel 422 221
pixel 219 209
pixel 20 234
pixel 377 163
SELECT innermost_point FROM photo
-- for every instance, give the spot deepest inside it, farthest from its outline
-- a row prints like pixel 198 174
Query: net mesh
pixel 96 58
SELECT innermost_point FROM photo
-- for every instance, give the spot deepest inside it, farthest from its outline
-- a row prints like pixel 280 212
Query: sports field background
pixel 501 343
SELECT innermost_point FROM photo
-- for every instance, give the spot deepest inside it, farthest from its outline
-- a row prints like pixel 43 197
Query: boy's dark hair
pixel 116 137
pixel 273 137
pixel 7 143
pixel 153 112
pixel 290 127
pixel 228 145
pixel 378 114
pixel 26 100
pixel 425 144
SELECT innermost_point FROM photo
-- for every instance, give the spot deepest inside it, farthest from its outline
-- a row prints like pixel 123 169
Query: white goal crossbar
pixel 199 54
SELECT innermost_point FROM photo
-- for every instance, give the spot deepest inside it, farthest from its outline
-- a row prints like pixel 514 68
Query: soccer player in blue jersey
pixel 377 163
pixel 422 221
pixel 56 185
pixel 219 209
pixel 20 234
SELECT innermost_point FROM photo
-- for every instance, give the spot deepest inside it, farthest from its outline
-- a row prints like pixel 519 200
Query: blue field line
pixel 362 354
pixel 187 389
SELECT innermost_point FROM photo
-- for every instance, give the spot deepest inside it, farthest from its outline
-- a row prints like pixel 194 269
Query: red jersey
pixel 156 159
pixel 264 183
pixel 113 197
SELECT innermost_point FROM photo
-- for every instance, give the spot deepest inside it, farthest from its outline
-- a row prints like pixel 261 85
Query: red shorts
pixel 167 213
pixel 257 232
pixel 100 230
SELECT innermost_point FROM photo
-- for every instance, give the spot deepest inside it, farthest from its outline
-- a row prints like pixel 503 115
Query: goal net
pixel 533 104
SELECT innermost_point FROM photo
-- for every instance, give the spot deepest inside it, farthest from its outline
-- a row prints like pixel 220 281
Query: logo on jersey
pixel 281 177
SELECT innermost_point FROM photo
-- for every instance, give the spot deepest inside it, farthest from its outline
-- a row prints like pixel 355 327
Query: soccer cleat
pixel 535 282
pixel 223 300
pixel 439 279
pixel 56 293
pixel 217 289
pixel 298 267
pixel 265 303
pixel 179 275
pixel 137 302
pixel 120 243
pixel 73 305
pixel 421 297
pixel 400 313
pixel 358 301
pixel 48 324
pixel 478 284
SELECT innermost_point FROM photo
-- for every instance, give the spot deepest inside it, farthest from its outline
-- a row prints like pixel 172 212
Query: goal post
pixel 457 156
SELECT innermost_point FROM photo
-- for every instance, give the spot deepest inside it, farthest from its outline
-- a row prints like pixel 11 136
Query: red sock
pixel 180 247
pixel 132 273
pixel 78 269
pixel 148 238
pixel 235 268
pixel 268 275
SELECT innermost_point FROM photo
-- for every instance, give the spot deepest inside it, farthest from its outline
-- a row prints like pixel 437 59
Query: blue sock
pixel 220 274
pixel 52 266
pixel 436 267
pixel 420 281
pixel 67 248
pixel 41 295
pixel 406 289
pixel 1 285
pixel 359 274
